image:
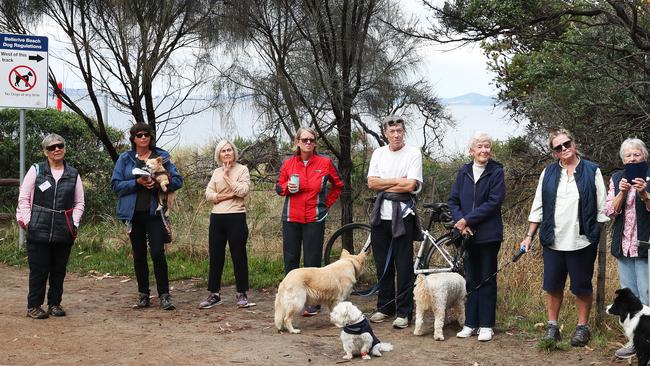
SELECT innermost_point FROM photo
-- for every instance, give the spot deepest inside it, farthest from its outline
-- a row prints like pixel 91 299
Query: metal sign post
pixel 23 82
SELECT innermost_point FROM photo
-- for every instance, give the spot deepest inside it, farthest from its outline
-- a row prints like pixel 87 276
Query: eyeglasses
pixel 565 145
pixel 308 141
pixel 59 146
pixel 141 135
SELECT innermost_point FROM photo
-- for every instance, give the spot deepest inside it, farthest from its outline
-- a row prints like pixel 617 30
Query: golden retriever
pixel 328 285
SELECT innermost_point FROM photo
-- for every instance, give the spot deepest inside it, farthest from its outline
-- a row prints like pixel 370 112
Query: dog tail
pixel 420 289
pixel 383 347
pixel 279 312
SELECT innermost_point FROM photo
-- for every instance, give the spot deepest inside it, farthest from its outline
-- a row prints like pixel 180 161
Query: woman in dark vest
pixel 628 205
pixel 50 206
pixel 567 209
pixel 136 207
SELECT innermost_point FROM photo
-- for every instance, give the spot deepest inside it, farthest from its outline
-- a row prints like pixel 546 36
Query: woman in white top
pixel 227 189
pixel 567 209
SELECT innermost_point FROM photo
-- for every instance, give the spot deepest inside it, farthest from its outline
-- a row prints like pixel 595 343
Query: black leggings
pixel 146 227
pixel 47 261
pixel 230 228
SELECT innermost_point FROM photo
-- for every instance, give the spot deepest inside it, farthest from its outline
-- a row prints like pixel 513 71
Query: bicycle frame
pixel 443 252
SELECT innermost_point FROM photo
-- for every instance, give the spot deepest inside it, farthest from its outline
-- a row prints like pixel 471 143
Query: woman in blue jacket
pixel 475 204
pixel 136 206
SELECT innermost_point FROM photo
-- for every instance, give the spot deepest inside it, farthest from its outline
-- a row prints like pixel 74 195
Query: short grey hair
pixel 479 137
pixel 220 145
pixel 633 143
pixel 52 139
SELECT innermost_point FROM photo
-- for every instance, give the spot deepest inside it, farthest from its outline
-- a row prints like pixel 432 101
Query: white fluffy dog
pixel 357 336
pixel 328 285
pixel 438 292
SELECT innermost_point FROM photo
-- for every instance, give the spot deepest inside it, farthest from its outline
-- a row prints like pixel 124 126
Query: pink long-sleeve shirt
pixel 628 241
pixel 26 196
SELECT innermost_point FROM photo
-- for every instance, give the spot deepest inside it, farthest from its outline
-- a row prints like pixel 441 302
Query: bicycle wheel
pixel 450 261
pixel 354 237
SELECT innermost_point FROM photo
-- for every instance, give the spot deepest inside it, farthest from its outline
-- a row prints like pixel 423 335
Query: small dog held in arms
pixel 634 317
pixel 159 173
pixel 357 336
pixel 328 285
pixel 438 292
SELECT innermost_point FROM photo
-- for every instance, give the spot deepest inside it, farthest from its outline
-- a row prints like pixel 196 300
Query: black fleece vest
pixel 48 222
pixel 642 222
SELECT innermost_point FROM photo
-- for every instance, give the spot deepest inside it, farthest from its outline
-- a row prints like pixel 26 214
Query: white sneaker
pixel 400 323
pixel 485 334
pixel 466 332
pixel 378 317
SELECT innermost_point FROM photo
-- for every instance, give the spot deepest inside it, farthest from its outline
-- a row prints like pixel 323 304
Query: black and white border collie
pixel 634 317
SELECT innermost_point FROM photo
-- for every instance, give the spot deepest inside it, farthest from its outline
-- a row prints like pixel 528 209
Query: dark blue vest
pixel 585 176
pixel 642 221
pixel 48 222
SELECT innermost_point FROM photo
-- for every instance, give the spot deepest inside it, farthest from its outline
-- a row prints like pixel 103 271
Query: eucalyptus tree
pixel 337 66
pixel 146 54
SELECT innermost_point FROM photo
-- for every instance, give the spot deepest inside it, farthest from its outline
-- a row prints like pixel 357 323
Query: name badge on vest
pixel 44 186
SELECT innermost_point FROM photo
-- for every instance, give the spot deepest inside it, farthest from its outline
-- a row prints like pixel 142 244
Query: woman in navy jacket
pixel 475 204
pixel 136 206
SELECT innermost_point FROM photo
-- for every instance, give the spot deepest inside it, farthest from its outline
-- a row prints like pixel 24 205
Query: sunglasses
pixel 59 146
pixel 394 122
pixel 565 145
pixel 141 135
pixel 308 141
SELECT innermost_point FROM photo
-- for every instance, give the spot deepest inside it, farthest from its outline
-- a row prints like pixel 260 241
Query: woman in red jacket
pixel 303 182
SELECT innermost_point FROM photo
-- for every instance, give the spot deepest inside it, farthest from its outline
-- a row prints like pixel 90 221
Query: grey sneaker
pixel 37 312
pixel 212 300
pixel 400 323
pixel 55 310
pixel 552 333
pixel 143 301
pixel 378 317
pixel 242 300
pixel 581 336
pixel 166 302
pixel 626 351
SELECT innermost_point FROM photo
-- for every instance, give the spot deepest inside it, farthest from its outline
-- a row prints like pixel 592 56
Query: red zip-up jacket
pixel 312 201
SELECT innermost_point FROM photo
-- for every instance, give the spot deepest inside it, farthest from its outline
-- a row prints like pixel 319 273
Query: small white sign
pixel 23 71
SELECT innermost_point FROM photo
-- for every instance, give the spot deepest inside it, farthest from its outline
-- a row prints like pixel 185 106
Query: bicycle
pixel 444 253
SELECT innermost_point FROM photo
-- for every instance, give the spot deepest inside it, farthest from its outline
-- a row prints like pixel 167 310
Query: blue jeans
pixel 633 274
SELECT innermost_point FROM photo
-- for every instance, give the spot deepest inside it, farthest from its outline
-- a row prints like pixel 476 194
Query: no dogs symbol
pixel 22 78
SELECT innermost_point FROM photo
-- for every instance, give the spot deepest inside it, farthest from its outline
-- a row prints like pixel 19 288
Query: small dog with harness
pixel 357 335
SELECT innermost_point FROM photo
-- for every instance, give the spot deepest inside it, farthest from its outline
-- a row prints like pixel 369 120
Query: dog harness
pixel 360 328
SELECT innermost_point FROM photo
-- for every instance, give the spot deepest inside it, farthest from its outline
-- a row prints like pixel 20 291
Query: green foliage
pixel 83 151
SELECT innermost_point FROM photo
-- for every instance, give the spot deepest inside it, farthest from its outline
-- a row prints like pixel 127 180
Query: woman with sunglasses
pixel 567 209
pixel 50 206
pixel 303 182
pixel 136 207
pixel 629 206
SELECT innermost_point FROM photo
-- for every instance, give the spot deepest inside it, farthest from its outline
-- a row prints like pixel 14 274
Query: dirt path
pixel 101 328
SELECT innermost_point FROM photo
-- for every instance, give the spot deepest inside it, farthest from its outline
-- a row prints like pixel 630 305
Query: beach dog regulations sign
pixel 23 71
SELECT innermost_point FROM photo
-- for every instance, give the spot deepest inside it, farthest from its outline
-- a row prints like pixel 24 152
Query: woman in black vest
pixel 567 209
pixel 50 206
pixel 628 205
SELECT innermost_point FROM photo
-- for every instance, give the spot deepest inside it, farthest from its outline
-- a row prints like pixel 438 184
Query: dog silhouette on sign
pixel 24 78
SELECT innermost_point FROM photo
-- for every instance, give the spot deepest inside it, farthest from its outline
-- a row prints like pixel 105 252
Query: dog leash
pixel 514 259
pixel 374 289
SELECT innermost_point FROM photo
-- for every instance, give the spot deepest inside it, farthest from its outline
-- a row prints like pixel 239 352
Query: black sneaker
pixel 311 310
pixel 166 302
pixel 55 310
pixel 212 300
pixel 552 333
pixel 37 312
pixel 143 301
pixel 581 336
